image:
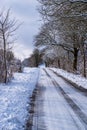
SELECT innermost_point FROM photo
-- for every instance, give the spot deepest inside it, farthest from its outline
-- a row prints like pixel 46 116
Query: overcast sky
pixel 25 11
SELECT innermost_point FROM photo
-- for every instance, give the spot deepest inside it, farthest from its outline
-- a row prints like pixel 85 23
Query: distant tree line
pixel 64 33
pixel 34 60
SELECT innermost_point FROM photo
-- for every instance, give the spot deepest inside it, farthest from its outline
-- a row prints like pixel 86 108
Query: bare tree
pixel 7 31
pixel 68 18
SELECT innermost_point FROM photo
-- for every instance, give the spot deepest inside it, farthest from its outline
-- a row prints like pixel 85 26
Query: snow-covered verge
pixel 14 99
pixel 77 79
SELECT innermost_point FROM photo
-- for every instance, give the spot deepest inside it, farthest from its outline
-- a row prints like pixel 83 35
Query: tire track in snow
pixel 71 103
pixel 78 96
pixel 32 98
pixel 77 125
pixel 74 85
pixel 35 120
pixel 38 120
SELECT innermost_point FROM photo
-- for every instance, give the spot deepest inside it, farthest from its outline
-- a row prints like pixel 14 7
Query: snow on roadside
pixel 78 79
pixel 14 99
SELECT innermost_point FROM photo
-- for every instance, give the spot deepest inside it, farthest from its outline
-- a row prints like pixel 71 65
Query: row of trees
pixel 64 33
pixel 34 60
pixel 8 27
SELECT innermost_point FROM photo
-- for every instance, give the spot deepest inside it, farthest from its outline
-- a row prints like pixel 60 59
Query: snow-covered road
pixel 59 105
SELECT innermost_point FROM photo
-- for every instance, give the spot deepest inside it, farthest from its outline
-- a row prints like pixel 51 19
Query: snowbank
pixel 78 79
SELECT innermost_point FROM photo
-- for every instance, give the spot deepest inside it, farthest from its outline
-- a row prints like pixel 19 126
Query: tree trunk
pixel 5 63
pixel 5 67
pixel 84 58
pixel 58 63
pixel 75 59
pixel 37 60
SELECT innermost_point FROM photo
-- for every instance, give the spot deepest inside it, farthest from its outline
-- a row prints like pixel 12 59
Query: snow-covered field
pixel 78 79
pixel 14 99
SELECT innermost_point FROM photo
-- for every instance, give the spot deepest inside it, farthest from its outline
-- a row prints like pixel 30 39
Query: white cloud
pixel 21 51
pixel 25 11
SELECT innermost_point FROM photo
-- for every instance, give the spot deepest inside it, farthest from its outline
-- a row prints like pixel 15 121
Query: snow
pixel 77 96
pixel 14 99
pixel 41 48
pixel 78 79
pixel 52 106
pixel 42 65
pixel 53 112
pixel 85 1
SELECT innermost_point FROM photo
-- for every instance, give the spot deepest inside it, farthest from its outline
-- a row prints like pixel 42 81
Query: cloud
pixel 21 51
pixel 25 11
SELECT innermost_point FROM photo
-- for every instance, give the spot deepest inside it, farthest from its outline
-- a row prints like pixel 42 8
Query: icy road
pixel 59 105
